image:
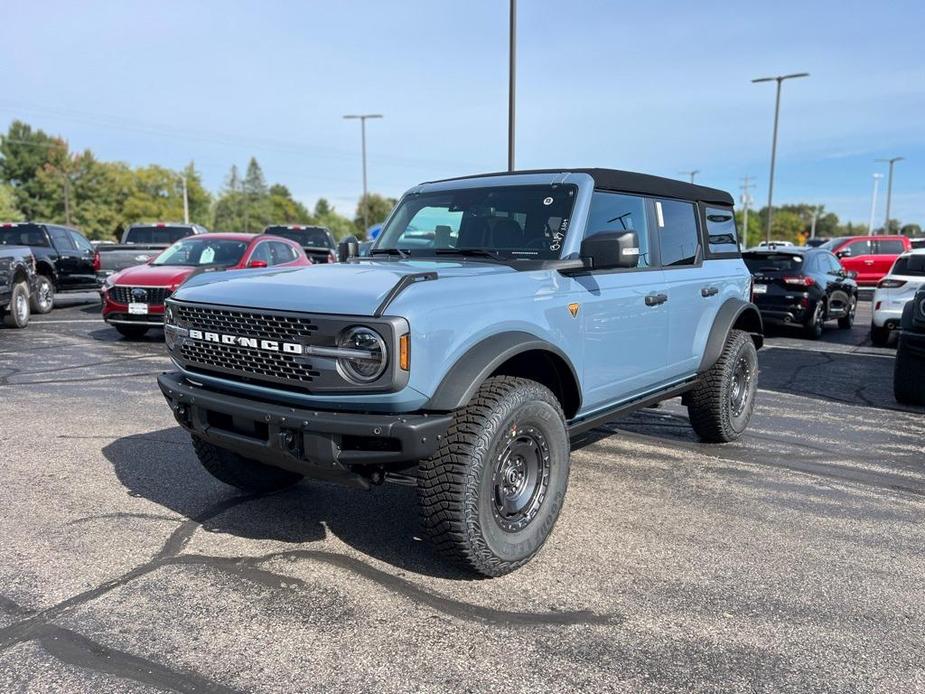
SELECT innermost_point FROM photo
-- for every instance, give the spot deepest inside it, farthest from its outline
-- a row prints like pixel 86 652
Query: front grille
pixel 152 295
pixel 244 361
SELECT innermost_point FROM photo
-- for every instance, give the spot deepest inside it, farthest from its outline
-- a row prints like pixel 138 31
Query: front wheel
pixel 813 327
pixel 908 377
pixel 879 336
pixel 18 314
pixel 43 298
pixel 847 321
pixel 491 494
pixel 721 405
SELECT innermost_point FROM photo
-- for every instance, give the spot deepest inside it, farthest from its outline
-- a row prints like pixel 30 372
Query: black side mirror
pixel 610 249
pixel 844 253
pixel 347 249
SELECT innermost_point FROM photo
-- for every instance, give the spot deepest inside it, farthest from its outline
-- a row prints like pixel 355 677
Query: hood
pixel 343 288
pixel 153 275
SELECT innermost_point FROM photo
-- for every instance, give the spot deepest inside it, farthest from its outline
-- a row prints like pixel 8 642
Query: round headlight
pixel 369 358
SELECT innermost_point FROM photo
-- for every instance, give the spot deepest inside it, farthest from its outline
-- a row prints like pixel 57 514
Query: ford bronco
pixel 495 318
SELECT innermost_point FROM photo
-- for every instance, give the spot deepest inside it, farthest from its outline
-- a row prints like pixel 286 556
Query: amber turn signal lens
pixel 404 352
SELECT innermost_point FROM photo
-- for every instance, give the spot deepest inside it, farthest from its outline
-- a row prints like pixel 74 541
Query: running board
pixel 579 426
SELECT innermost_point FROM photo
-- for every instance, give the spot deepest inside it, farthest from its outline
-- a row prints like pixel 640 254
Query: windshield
pixel 772 262
pixel 22 235
pixel 909 265
pixel 200 251
pixel 510 222
pixel 158 234
pixel 315 238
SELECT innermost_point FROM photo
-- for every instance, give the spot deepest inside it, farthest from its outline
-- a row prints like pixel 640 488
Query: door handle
pixel 708 291
pixel 868 262
pixel 656 299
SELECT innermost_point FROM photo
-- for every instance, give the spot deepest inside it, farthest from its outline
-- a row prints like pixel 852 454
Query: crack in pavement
pixel 83 380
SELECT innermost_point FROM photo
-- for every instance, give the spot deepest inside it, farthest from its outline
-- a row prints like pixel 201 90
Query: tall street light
pixel 889 190
pixel 689 173
pixel 873 204
pixel 779 79
pixel 362 118
pixel 512 72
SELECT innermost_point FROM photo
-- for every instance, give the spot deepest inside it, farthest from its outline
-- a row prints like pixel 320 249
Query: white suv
pixel 893 291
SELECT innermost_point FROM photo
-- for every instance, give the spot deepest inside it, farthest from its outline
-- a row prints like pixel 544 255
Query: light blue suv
pixel 496 317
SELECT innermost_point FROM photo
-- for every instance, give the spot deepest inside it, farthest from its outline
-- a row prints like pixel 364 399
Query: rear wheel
pixel 908 377
pixel 813 327
pixel 132 331
pixel 17 315
pixel 243 473
pixel 43 298
pixel 491 494
pixel 879 337
pixel 721 405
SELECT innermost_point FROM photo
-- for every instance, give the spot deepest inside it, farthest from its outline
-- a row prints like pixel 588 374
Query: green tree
pixel 23 154
pixel 8 210
pixel 284 209
pixel 911 230
pixel 372 209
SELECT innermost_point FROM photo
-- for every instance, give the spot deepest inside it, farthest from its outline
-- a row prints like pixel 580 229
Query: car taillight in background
pixel 890 284
pixel 97 263
pixel 802 280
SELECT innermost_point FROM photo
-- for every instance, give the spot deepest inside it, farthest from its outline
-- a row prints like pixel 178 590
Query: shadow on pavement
pixel 381 523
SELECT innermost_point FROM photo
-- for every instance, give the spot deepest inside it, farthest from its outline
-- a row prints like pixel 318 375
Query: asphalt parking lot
pixel 790 561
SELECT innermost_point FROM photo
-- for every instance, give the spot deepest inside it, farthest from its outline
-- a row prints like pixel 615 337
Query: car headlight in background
pixel 368 355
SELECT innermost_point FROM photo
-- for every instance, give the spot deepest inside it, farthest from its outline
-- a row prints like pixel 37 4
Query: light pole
pixel 889 190
pixel 873 204
pixel 779 79
pixel 182 178
pixel 512 73
pixel 690 173
pixel 362 118
pixel 746 201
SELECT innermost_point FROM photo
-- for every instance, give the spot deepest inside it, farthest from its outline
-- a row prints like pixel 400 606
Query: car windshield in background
pixel 312 238
pixel 773 262
pixel 507 222
pixel 195 252
pixel 22 235
pixel 910 265
pixel 159 234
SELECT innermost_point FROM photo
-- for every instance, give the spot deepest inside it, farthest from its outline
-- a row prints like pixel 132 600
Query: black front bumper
pixel 339 446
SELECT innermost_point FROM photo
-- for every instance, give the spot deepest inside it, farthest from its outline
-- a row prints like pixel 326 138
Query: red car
pixel 871 257
pixel 133 299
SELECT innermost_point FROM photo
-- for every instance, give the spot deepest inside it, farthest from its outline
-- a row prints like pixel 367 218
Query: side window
pixel 81 242
pixel 721 230
pixel 618 212
pixel 281 253
pixel 859 248
pixel 678 240
pixel 61 239
pixel 261 252
pixel 890 247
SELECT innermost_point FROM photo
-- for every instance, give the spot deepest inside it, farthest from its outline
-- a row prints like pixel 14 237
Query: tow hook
pixel 290 442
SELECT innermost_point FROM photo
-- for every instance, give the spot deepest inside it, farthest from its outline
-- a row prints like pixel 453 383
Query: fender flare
pixel 43 267
pixel 464 377
pixel 730 313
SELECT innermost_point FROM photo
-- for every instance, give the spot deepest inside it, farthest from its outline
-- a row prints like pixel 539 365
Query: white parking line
pixel 75 320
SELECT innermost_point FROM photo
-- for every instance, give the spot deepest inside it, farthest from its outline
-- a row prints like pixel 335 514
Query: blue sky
pixel 659 87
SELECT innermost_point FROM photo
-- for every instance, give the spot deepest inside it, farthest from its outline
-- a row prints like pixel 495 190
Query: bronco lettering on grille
pixel 250 342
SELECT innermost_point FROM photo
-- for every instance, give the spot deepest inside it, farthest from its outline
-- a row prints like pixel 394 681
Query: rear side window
pixel 22 235
pixel 890 247
pixel 81 242
pixel 281 253
pixel 678 238
pixel 618 212
pixel 722 236
pixel 160 235
pixel 61 239
pixel 913 265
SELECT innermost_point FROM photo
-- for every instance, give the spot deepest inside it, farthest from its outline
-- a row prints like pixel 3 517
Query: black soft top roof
pixel 630 182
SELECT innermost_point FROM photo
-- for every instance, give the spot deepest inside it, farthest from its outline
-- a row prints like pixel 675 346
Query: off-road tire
pixel 132 332
pixel 243 473
pixel 17 313
pixel 846 322
pixel 713 413
pixel 879 337
pixel 908 377
pixel 813 327
pixel 457 485
pixel 43 298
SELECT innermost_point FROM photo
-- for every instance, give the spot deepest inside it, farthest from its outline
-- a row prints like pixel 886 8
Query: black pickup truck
pixel 17 278
pixel 141 242
pixel 64 259
pixel 317 242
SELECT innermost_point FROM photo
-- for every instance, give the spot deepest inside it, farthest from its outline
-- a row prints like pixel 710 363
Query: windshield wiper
pixel 473 252
pixel 389 251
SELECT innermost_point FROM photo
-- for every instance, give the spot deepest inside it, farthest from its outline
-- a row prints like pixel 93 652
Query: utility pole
pixel 746 201
pixel 67 198
pixel 363 202
pixel 812 228
pixel 185 199
pixel 690 173
pixel 889 190
pixel 511 86
pixel 873 204
pixel 779 79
